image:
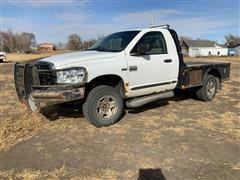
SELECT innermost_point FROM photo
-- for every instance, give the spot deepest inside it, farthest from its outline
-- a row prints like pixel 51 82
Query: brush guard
pixel 25 76
pixel 36 96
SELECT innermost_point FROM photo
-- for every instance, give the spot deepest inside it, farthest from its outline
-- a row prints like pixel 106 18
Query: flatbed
pixel 195 72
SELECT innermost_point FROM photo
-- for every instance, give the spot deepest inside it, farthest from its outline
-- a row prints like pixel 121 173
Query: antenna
pixel 165 26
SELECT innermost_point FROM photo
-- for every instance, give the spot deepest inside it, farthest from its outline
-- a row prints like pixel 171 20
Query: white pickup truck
pixel 2 56
pixel 133 67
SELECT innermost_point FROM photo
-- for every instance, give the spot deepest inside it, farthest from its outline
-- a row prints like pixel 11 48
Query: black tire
pixel 99 101
pixel 208 91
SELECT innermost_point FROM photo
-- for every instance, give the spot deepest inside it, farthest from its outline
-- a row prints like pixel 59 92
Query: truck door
pixel 151 72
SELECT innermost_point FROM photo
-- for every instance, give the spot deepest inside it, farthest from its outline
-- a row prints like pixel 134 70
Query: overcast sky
pixel 54 20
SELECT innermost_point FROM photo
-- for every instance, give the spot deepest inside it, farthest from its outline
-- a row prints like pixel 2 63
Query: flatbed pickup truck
pixel 133 67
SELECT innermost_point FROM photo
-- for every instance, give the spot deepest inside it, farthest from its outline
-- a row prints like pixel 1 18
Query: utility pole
pixel 152 21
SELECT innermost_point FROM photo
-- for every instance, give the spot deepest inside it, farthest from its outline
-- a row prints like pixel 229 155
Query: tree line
pixel 231 40
pixel 76 43
pixel 26 42
pixel 17 42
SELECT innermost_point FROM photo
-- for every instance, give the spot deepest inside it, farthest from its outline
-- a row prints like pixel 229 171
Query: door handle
pixel 167 60
pixel 132 68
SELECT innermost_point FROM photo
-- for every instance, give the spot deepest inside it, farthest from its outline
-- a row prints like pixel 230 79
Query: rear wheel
pixel 103 106
pixel 208 91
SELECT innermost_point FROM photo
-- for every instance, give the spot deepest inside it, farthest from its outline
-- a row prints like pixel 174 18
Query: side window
pixel 156 41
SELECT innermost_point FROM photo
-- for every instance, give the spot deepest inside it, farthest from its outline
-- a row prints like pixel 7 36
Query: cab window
pixel 156 42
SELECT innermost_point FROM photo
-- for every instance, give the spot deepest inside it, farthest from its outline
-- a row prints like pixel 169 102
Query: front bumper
pixel 30 91
pixel 48 97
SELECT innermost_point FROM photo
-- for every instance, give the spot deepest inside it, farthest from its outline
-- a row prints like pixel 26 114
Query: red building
pixel 45 47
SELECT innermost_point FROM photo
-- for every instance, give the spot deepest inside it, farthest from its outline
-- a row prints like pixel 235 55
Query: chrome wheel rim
pixel 106 107
pixel 211 88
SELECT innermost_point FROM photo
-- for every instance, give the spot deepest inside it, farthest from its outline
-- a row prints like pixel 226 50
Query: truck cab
pixel 152 52
pixel 135 66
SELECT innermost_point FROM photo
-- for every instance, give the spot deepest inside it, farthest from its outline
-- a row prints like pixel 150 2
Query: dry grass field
pixel 179 138
pixel 22 57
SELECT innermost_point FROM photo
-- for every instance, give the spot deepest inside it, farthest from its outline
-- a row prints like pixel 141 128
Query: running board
pixel 136 102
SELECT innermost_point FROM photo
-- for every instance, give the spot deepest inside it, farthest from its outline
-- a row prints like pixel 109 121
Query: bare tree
pixel 74 42
pixel 232 40
pixel 88 43
pixel 29 41
pixel 60 45
pixel 23 42
pixel 8 41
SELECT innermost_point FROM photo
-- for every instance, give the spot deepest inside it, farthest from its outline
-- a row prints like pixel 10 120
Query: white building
pixel 237 50
pixel 194 48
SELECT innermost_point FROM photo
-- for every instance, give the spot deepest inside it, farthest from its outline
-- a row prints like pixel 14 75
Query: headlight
pixel 71 75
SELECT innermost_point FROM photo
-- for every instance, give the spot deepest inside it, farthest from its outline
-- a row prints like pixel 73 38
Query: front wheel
pixel 208 91
pixel 103 106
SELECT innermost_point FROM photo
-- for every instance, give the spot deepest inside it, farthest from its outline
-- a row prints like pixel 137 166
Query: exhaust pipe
pixel 137 102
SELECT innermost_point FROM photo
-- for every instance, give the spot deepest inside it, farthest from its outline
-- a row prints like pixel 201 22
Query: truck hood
pixel 62 60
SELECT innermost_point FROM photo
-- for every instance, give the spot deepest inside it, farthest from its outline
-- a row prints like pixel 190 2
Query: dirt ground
pixel 179 138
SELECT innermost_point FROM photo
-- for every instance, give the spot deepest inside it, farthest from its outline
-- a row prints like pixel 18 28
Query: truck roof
pixel 165 26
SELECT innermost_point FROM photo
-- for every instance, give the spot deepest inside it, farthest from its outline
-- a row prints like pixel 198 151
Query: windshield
pixel 115 42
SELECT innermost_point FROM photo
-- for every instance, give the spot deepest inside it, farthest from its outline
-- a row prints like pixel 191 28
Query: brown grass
pixel 16 121
pixel 65 173
pixel 18 124
pixel 32 174
pixel 21 57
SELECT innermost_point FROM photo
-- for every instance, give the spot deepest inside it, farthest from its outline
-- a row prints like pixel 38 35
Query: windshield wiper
pixel 101 49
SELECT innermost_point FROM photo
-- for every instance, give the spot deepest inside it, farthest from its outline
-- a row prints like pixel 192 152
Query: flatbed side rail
pixel 194 75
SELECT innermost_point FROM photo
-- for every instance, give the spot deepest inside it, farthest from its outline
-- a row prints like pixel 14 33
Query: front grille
pixel 47 75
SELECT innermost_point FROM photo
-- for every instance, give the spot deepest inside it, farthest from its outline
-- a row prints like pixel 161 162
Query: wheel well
pixel 216 74
pixel 110 80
